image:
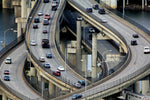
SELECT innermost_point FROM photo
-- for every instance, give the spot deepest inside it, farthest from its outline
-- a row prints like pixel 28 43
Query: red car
pixel 6 71
pixel 57 73
pixel 47 16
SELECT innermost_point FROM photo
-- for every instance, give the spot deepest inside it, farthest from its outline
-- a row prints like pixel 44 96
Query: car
pixel 135 35
pixel 40 13
pixel 89 10
pixel 6 78
pixel 36 20
pixel 8 60
pixel 103 20
pixel 57 73
pixel 146 49
pixel 91 30
pixel 111 71
pixel 35 26
pixel 47 16
pixel 45 22
pixel 82 82
pixel 6 71
pixel 54 8
pixel 95 6
pixel 79 18
pixel 47 65
pixel 77 85
pixel 48 55
pixel 54 3
pixel 44 30
pixel 45 43
pixel 101 11
pixel 33 43
pixel 61 68
pixel 133 42
pixel 45 1
pixel 76 96
pixel 42 59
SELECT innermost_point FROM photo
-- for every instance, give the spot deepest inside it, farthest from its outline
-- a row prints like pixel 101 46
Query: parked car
pixel 76 96
pixel 40 13
pixel 135 35
pixel 101 11
pixel 133 42
pixel 61 68
pixel 95 6
pixel 47 16
pixel 89 10
pixel 45 22
pixel 35 26
pixel 6 78
pixel 57 73
pixel 82 82
pixel 146 49
pixel 45 43
pixel 47 65
pixel 6 71
pixel 36 20
pixel 91 30
pixel 44 30
pixel 77 85
pixel 48 55
pixel 42 59
pixel 8 60
pixel 33 43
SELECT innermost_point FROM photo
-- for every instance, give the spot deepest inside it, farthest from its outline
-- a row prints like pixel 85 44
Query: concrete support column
pixel 19 29
pixel 17 10
pixel 7 3
pixel 137 87
pixel 39 76
pixel 4 97
pixel 127 2
pixel 94 56
pixel 145 2
pixel 145 86
pixel 51 88
pixel 23 8
pixel 113 4
pixel 78 51
pixel 32 71
pixel 142 4
pixel 120 49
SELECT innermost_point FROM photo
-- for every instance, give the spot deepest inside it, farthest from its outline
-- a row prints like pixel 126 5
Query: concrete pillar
pixel 127 2
pixel 142 4
pixel 32 71
pixel 78 51
pixel 39 76
pixel 28 12
pixel 145 2
pixel 19 29
pixel 4 97
pixel 145 87
pixel 120 49
pixel 113 4
pixel 137 87
pixel 32 4
pixel 94 56
pixel 7 3
pixel 17 10
pixel 51 88
pixel 23 8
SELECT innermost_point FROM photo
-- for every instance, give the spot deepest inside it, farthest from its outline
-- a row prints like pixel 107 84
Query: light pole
pixel 123 8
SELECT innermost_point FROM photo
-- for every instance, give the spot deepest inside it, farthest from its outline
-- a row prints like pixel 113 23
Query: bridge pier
pixel 51 88
pixel 7 4
pixel 4 97
pixel 17 8
pixel 137 87
pixel 146 86
pixel 94 56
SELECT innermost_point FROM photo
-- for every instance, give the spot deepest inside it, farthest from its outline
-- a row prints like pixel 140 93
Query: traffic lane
pixel 16 81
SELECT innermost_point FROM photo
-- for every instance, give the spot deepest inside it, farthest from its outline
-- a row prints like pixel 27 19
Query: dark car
pixel 48 55
pixel 45 1
pixel 82 82
pixel 45 31
pixel 6 78
pixel 89 10
pixel 101 11
pixel 76 96
pixel 57 73
pixel 45 22
pixel 111 71
pixel 77 85
pixel 36 20
pixel 35 26
pixel 135 35
pixel 54 8
pixel 95 6
pixel 133 42
pixel 6 71
pixel 45 43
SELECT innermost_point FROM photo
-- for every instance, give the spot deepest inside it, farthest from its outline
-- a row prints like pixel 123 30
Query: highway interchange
pixel 139 59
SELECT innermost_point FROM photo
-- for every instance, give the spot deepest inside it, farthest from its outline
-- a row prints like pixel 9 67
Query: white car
pixel 8 60
pixel 104 20
pixel 61 68
pixel 146 49
pixel 47 65
pixel 40 13
pixel 42 59
pixel 33 43
pixel 91 30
